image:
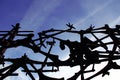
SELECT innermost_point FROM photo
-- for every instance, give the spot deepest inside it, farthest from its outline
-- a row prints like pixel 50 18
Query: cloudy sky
pixel 38 15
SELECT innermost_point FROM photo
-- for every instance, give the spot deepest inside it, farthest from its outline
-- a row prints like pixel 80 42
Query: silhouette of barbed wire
pixel 83 52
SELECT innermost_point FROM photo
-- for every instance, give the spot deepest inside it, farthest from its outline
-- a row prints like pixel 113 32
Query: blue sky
pixel 38 15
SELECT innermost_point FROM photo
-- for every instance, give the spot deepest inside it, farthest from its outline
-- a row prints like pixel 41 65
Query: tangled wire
pixel 96 45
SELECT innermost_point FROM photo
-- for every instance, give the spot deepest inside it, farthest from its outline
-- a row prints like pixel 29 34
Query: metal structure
pixel 83 52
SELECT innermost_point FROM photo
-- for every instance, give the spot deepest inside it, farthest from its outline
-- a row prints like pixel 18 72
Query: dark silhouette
pixel 83 52
pixel 70 26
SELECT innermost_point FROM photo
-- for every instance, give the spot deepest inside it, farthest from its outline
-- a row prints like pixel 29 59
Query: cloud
pixel 38 13
pixel 65 72
pixel 115 22
pixel 98 9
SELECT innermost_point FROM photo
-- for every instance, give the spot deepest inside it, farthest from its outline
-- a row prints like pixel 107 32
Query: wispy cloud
pixel 115 22
pixel 98 9
pixel 38 12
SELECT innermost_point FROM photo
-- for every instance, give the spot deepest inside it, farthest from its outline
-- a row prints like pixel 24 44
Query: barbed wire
pixel 83 52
